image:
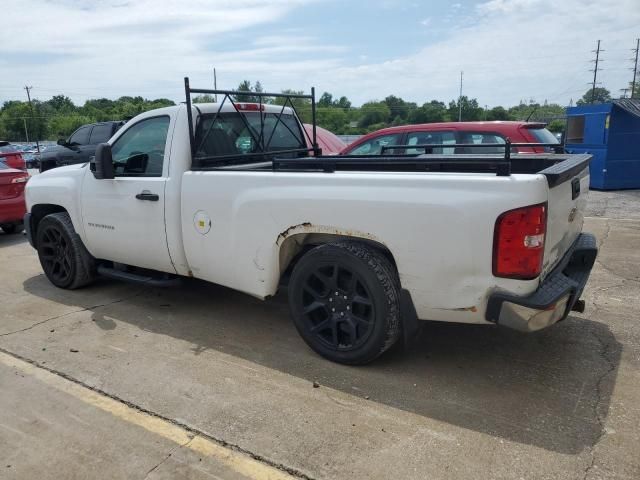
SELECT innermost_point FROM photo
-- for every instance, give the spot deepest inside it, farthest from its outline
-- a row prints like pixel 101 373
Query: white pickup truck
pixel 228 193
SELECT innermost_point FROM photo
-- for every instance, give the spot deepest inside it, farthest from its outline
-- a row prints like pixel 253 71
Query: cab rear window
pixel 229 135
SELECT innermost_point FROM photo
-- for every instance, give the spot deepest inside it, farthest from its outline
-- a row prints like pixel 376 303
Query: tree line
pixel 58 117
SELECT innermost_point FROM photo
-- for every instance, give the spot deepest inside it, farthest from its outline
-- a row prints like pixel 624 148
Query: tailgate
pixel 568 188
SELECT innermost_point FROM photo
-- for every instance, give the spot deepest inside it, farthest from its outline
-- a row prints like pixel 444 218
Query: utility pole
pixel 215 84
pixel 460 99
pixel 635 69
pixel 26 132
pixel 595 72
pixel 28 89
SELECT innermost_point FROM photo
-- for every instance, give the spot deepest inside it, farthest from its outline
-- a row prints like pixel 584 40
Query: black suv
pixel 80 146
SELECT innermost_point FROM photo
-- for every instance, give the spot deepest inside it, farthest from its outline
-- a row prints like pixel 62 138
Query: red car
pixel 327 141
pixel 453 133
pixel 11 156
pixel 12 204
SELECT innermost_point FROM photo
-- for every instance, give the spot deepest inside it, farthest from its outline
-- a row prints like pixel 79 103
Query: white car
pixel 367 246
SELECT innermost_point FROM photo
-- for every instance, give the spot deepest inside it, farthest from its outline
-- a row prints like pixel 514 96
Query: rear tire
pixel 344 300
pixel 64 258
pixel 10 228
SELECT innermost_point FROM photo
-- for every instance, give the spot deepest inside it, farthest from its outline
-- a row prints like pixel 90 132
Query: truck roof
pixel 212 108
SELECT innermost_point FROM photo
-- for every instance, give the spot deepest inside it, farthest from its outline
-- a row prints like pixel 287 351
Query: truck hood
pixel 62 171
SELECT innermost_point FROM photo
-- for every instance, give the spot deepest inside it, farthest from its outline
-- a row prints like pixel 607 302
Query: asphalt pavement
pixel 199 381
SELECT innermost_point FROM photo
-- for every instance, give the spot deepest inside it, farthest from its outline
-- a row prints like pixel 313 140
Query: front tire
pixel 344 300
pixel 64 258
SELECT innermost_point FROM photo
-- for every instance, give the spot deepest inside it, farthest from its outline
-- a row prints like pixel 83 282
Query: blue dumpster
pixel 611 133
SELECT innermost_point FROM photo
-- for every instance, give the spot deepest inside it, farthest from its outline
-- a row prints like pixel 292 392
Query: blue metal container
pixel 611 133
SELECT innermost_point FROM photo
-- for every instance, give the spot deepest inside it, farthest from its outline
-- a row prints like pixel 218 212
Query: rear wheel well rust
pixel 293 248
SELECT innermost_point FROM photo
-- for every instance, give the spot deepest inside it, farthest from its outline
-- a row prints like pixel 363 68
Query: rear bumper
pixel 554 298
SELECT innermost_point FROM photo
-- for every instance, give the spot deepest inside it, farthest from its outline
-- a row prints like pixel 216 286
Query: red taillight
pixel 518 243
pixel 250 107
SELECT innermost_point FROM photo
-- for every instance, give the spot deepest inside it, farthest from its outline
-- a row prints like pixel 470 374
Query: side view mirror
pixel 62 142
pixel 102 164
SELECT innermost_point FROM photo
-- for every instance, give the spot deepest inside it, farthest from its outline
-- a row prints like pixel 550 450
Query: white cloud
pixel 509 49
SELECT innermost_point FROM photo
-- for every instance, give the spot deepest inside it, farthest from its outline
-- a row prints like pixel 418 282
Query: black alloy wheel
pixel 344 300
pixel 337 306
pixel 64 258
pixel 55 255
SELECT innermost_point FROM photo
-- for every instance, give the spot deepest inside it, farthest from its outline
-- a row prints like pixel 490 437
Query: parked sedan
pixel 11 156
pixel 453 133
pixel 327 141
pixel 12 202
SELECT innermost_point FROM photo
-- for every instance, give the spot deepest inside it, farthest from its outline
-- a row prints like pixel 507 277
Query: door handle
pixel 147 195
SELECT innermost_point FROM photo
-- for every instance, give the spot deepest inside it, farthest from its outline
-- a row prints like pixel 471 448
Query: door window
pixel 374 145
pixel 481 138
pixel 80 136
pixel 432 138
pixel 100 134
pixel 139 152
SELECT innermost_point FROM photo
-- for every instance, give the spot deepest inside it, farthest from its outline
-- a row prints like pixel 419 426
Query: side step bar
pixel 137 278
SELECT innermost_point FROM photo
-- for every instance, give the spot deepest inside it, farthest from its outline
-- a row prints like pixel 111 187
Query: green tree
pixel 62 126
pixel 597 95
pixel 205 98
pixel 245 86
pixel 18 119
pixel 431 112
pixel 61 104
pixel 498 113
pixel 342 102
pixel 373 113
pixel 302 105
pixel 326 100
pixel 333 119
pixel 471 111
pixel 556 126
pixel 398 107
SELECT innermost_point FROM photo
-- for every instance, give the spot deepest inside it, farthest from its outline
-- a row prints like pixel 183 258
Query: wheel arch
pixel 38 212
pixel 294 242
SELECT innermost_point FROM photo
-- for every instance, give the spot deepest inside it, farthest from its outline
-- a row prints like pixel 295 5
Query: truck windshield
pixel 227 135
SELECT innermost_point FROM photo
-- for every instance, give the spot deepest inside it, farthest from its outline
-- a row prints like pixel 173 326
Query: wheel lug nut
pixel 348 307
pixel 345 297
pixel 342 314
pixel 331 299
pixel 337 294
pixel 333 309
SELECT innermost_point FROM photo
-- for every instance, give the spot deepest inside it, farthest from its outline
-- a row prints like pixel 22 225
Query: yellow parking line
pixel 236 461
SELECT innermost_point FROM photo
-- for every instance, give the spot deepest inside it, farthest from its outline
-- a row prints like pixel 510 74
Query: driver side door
pixel 124 217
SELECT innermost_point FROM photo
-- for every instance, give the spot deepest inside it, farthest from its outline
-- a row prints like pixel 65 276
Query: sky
pixel 509 50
